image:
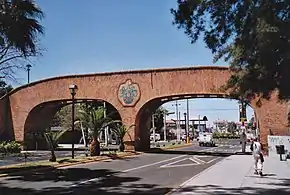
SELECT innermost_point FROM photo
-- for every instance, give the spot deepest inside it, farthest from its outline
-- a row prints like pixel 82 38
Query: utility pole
pixel 178 135
pixel 177 119
pixel 164 126
pixel 187 121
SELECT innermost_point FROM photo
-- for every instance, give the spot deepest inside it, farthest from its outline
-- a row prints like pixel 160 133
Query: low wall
pixel 273 141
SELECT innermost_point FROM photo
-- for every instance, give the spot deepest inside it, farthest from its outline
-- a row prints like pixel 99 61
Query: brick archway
pixel 130 92
pixel 267 116
pixel 41 116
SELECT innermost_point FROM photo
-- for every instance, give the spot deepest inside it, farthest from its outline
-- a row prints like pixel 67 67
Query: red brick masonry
pixel 30 106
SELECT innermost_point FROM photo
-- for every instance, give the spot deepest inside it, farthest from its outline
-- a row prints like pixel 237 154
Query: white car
pixel 206 139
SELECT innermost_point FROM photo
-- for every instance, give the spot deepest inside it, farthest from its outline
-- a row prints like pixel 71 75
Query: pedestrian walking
pixel 243 141
pixel 257 148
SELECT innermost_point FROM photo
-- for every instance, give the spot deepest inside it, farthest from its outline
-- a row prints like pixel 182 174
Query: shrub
pixel 223 135
pixel 10 147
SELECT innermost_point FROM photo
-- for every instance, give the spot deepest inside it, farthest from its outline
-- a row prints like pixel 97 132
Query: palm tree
pixel 121 131
pixel 94 120
pixel 52 139
pixel 19 24
pixel 19 27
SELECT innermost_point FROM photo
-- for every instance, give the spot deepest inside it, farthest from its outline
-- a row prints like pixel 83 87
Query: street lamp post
pixel 28 67
pixel 186 128
pixel 106 128
pixel 73 90
pixel 187 121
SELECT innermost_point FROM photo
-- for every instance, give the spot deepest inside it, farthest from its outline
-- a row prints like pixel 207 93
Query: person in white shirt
pixel 243 141
pixel 256 148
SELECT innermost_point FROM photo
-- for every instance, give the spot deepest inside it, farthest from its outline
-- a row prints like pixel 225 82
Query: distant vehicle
pixel 206 139
pixel 157 137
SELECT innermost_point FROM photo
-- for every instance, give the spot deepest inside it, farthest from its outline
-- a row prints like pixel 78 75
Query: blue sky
pixel 101 36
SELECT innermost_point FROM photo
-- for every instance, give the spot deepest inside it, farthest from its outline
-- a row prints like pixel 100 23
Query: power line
pixel 213 109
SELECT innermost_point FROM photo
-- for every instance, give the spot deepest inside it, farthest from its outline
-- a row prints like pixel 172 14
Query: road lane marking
pixel 152 164
pixel 200 161
pixel 136 168
pixel 126 171
pixel 177 188
pixel 211 160
pixel 182 165
pixel 173 164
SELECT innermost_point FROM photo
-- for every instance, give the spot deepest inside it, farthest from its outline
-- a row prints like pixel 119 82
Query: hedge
pixel 224 135
pixel 10 147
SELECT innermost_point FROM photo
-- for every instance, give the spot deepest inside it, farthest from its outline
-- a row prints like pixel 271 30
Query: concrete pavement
pixel 234 175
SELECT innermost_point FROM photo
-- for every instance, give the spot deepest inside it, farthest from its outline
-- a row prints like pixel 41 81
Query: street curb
pixel 177 146
pixel 195 176
pixel 72 164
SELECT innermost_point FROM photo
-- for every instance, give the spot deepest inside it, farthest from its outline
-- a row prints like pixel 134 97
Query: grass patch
pixel 174 144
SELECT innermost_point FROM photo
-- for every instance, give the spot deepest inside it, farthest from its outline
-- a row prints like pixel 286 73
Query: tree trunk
pixel 121 146
pixel 95 148
pixel 52 156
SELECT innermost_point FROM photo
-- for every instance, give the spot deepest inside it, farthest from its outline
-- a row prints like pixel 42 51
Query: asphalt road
pixel 150 173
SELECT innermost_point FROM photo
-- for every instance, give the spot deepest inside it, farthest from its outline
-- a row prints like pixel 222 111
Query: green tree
pixel 20 29
pixel 159 117
pixel 232 126
pixel 253 36
pixel 251 123
pixel 4 88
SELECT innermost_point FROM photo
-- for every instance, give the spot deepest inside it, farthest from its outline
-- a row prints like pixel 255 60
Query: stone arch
pixel 41 116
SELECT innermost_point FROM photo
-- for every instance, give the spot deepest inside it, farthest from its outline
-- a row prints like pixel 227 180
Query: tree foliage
pixel 232 126
pixel 121 131
pixel 159 117
pixel 4 88
pixel 52 140
pixel 19 31
pixel 252 35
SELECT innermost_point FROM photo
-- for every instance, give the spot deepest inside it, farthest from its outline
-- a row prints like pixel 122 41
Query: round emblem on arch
pixel 129 93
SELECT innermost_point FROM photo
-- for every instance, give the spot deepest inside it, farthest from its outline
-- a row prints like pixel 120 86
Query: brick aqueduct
pixel 135 94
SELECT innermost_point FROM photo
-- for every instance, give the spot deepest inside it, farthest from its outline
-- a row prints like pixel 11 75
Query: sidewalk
pixel 234 175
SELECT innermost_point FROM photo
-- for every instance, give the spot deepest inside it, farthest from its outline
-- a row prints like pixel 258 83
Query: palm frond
pixel 121 130
pixel 52 138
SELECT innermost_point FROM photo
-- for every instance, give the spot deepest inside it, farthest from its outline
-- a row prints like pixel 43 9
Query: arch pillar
pixel 128 115
pixel 272 116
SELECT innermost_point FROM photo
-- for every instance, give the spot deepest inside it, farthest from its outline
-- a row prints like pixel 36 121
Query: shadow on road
pixel 188 152
pixel 115 183
pixel 104 182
